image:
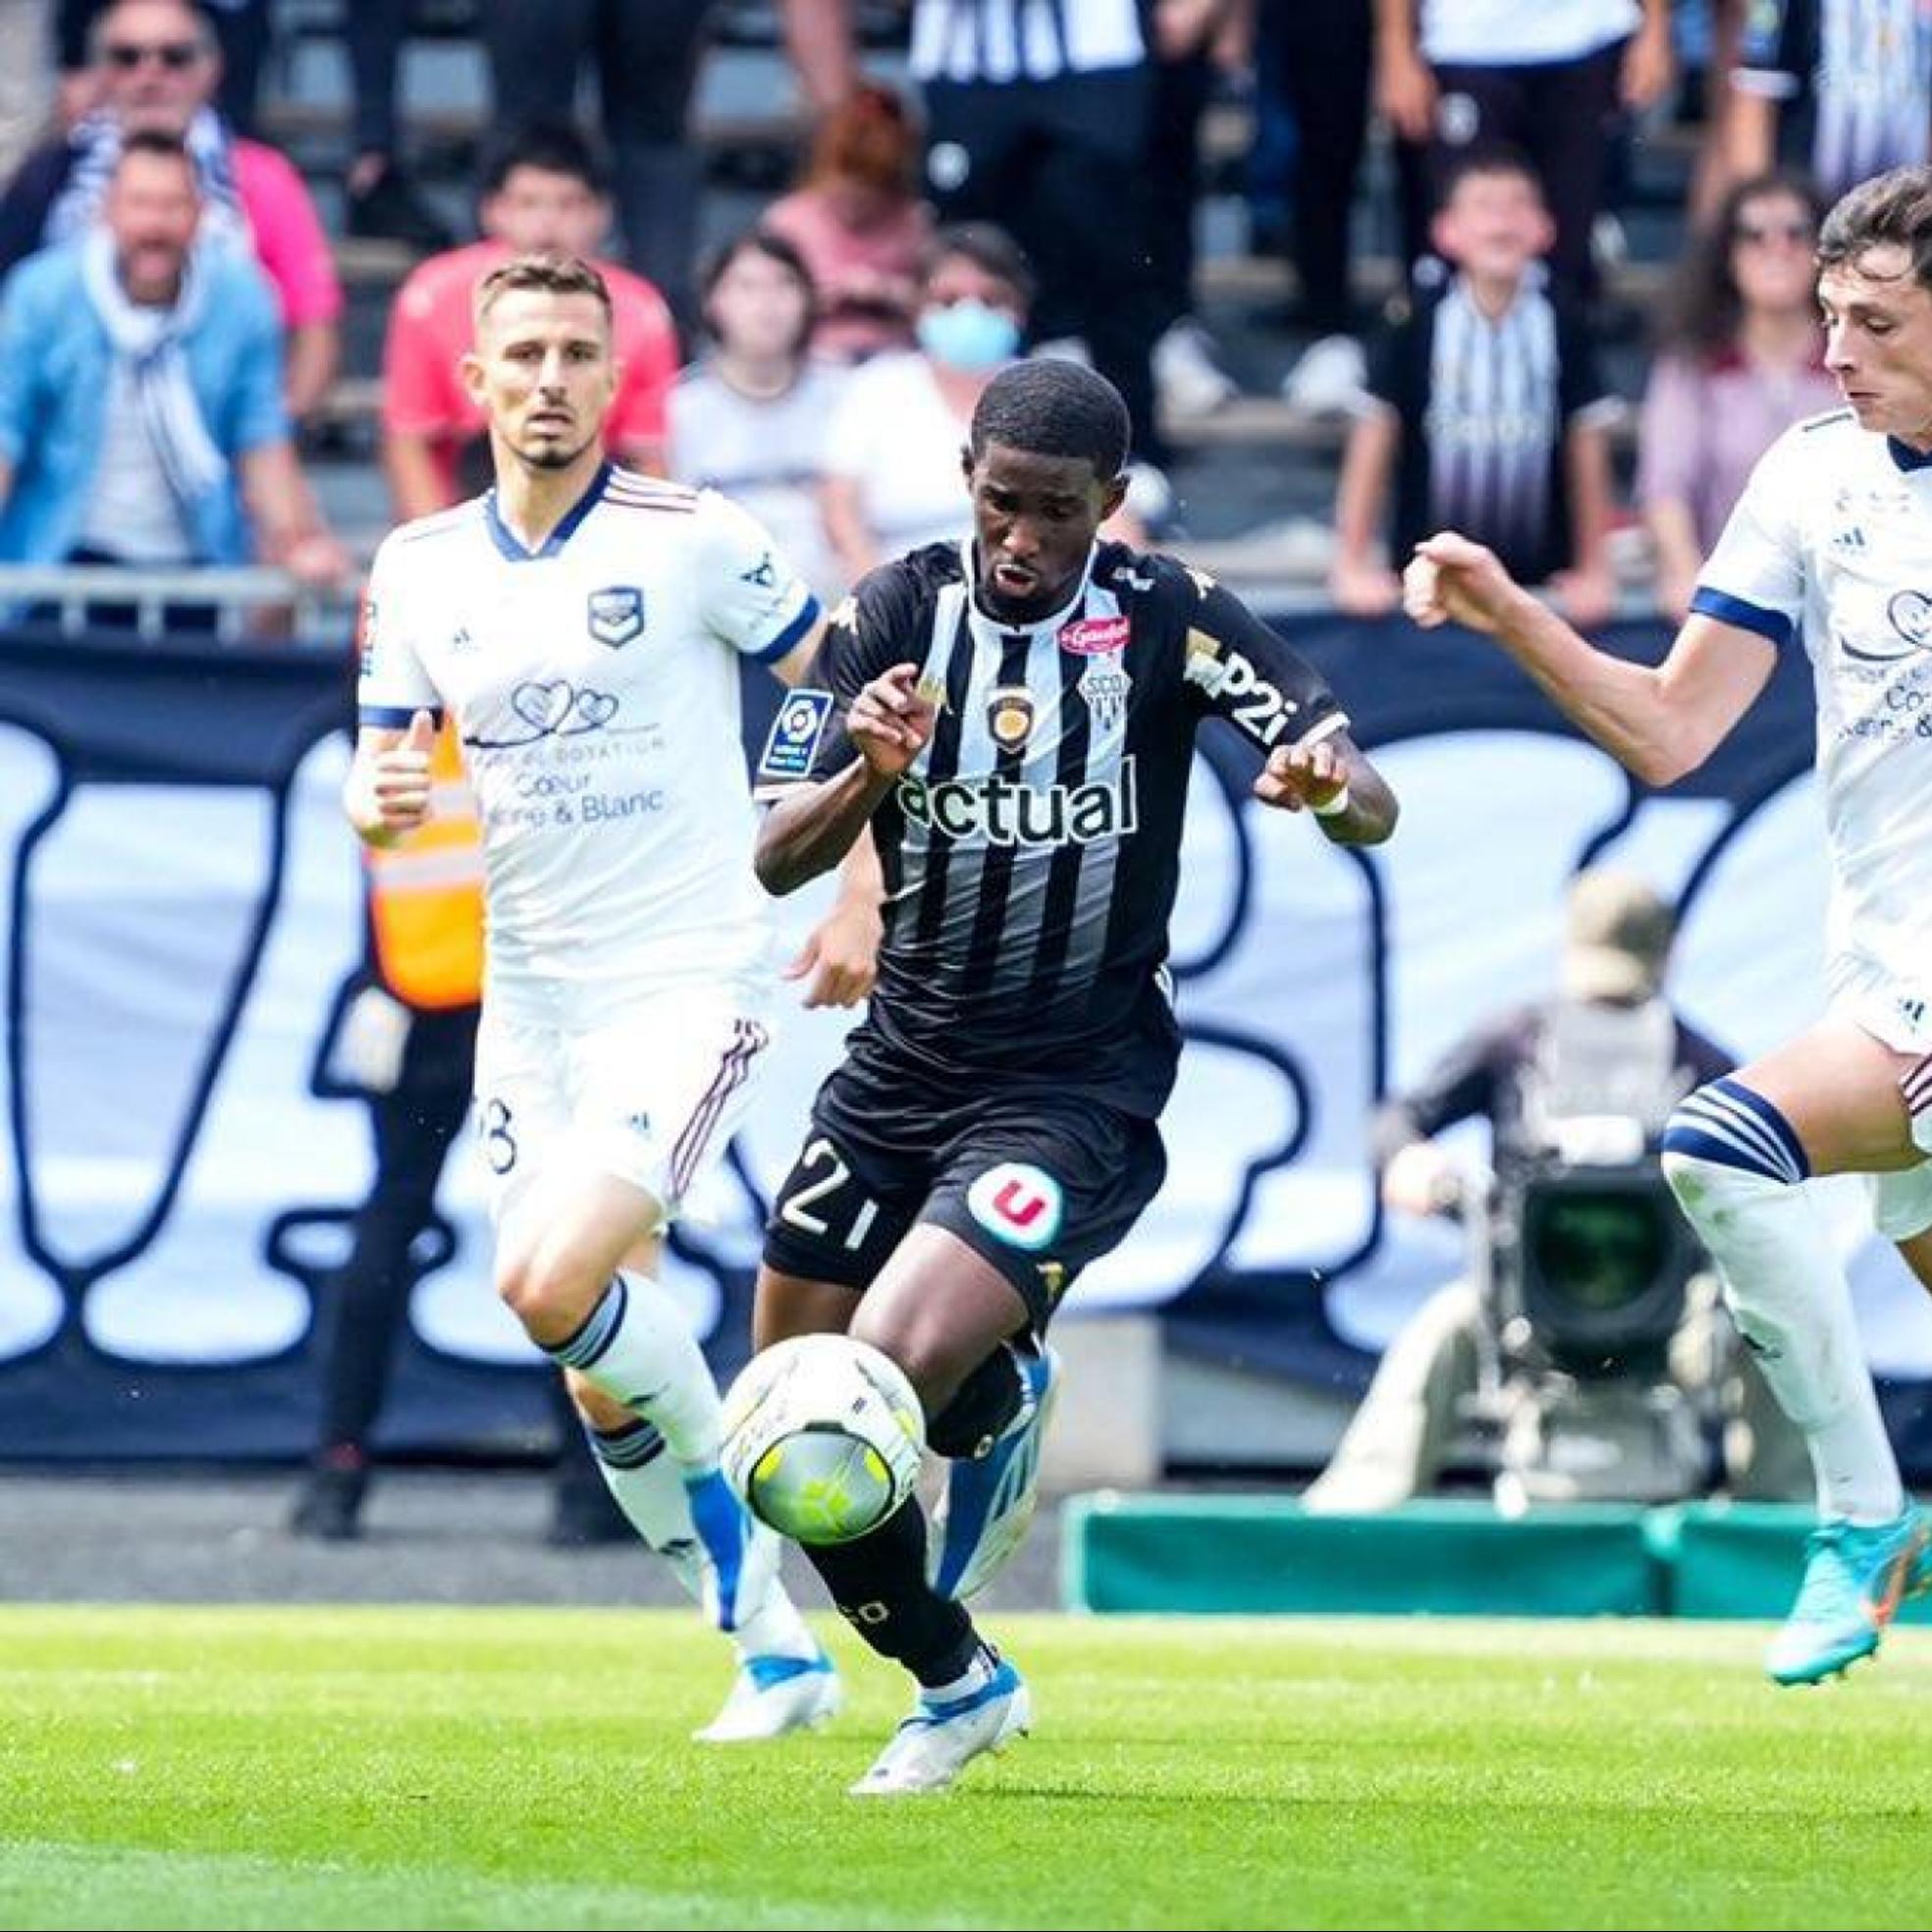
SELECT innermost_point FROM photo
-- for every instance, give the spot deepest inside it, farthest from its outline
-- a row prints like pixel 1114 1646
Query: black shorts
pixel 1039 1184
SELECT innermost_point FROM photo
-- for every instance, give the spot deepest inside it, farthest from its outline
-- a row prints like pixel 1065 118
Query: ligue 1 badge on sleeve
pixel 793 741
pixel 616 615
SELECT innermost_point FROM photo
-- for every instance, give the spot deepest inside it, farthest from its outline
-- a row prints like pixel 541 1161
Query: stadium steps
pixel 1261 1554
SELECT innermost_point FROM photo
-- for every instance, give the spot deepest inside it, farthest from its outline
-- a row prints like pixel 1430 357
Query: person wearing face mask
pixel 892 452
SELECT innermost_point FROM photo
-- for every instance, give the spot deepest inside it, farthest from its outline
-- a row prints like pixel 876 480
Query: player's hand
pixel 891 723
pixel 1451 580
pixel 1304 775
pixel 399 779
pixel 839 959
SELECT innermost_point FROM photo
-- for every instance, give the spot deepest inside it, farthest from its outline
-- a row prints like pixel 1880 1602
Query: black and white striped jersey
pixel 1852 79
pixel 1031 855
pixel 1486 402
pixel 974 42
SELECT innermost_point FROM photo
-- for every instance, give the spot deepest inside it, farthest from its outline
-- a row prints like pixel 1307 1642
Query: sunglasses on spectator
pixel 1758 234
pixel 174 55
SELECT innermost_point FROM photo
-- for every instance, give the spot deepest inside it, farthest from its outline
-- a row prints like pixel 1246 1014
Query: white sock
pixel 648 1485
pixel 976 1676
pixel 1788 1296
pixel 637 1347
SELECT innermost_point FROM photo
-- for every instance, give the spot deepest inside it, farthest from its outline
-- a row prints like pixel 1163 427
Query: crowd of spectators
pixel 1007 196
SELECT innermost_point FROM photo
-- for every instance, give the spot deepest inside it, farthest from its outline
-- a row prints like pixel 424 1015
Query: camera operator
pixel 1576 1089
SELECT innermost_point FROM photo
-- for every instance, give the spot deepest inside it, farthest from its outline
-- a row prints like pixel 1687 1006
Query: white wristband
pixel 1335 808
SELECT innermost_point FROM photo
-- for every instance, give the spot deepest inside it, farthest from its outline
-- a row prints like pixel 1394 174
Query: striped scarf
pixel 150 342
pixel 96 142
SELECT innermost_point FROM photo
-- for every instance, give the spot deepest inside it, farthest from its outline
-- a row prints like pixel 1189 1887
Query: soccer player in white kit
pixel 1830 550
pixel 582 625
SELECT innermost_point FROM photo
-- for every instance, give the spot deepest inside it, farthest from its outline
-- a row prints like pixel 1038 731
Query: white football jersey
pixel 1831 540
pixel 594 684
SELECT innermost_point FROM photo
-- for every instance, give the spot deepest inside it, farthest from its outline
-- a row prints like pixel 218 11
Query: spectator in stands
pixel 1483 408
pixel 242 27
pixel 1840 88
pixel 1740 360
pixel 158 65
pixel 379 197
pixel 543 193
pixel 892 475
pixel 858 223
pixel 1316 56
pixel 1048 140
pixel 141 419
pixel 646 55
pixel 1547 79
pixel 752 418
pixel 1194 42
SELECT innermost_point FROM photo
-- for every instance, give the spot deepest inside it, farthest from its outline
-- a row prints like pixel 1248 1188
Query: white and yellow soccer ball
pixel 822 1436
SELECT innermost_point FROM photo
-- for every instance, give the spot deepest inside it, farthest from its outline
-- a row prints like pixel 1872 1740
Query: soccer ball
pixel 822 1436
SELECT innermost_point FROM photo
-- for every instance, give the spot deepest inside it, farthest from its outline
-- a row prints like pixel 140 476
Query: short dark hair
pixel 989 248
pixel 1890 209
pixel 1486 157
pixel 1050 407
pixel 553 275
pixel 551 147
pixel 156 141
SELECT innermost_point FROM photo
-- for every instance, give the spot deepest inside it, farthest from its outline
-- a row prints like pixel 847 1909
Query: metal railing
pixel 245 604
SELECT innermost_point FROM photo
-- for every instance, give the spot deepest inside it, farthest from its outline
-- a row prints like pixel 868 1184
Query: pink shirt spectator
pixel 288 241
pixel 1706 424
pixel 867 279
pixel 429 330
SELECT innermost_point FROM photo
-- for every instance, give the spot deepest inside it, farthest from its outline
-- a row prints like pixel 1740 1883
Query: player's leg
pixel 785 1680
pixel 592 1139
pixel 939 1310
pixel 1737 1153
pixel 1040 1191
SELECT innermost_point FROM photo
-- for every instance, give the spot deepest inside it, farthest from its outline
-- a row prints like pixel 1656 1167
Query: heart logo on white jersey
pixel 543 705
pixel 1911 612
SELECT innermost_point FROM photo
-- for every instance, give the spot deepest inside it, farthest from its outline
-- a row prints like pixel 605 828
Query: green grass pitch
pixel 433 1767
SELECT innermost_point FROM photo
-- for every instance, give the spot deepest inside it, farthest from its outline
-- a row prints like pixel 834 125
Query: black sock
pixel 981 1407
pixel 878 1583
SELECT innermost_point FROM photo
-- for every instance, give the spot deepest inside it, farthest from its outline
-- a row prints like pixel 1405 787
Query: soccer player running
pixel 583 625
pixel 1830 548
pixel 1014 719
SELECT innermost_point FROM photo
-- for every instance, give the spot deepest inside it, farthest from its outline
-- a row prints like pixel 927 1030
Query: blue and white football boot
pixel 942 1736
pixel 988 1504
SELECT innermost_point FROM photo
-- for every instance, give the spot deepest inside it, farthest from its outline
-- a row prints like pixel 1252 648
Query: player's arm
pixel 813 829
pixel 387 791
pixel 1238 670
pixel 840 959
pixel 1657 721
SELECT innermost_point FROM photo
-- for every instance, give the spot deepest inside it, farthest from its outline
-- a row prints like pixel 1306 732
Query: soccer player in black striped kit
pixel 1014 719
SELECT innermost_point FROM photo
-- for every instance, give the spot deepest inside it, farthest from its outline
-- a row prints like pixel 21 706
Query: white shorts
pixel 1859 990
pixel 652 1098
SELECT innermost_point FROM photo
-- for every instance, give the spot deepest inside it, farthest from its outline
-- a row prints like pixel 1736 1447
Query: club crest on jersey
pixel 1105 684
pixel 1018 1204
pixel 616 615
pixel 793 741
pixel 1095 637
pixel 1009 716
